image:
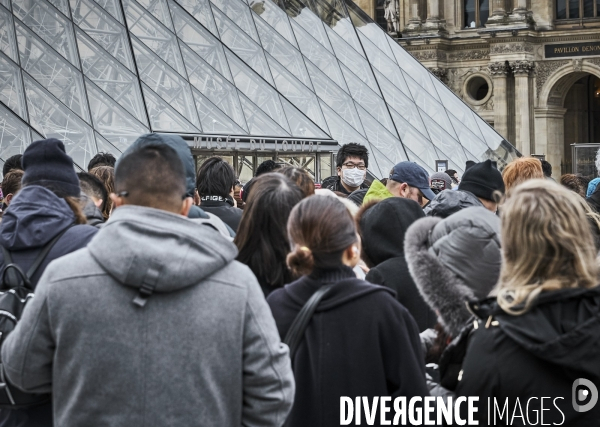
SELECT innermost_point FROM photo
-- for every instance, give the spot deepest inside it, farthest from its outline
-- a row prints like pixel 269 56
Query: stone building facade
pixel 531 68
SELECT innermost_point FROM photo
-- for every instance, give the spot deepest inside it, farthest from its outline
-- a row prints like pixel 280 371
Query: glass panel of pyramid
pixel 98 72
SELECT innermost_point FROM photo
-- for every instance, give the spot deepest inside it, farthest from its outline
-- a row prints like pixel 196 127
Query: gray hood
pixel 448 202
pixel 182 252
pixel 454 260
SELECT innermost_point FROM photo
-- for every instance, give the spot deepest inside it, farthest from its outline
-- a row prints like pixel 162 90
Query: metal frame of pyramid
pixel 98 73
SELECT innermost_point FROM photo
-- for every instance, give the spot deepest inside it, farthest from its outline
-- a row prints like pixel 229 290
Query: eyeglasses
pixel 350 165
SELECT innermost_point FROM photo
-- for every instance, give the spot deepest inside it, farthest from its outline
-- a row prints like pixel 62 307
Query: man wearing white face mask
pixel 352 161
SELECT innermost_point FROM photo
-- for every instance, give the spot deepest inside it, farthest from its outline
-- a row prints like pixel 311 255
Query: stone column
pixel 434 16
pixel 414 20
pixel 499 14
pixel 433 10
pixel 550 135
pixel 499 72
pixel 520 7
pixel 522 71
pixel 499 8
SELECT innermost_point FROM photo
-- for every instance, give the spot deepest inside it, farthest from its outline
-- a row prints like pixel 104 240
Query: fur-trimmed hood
pixel 448 202
pixel 453 261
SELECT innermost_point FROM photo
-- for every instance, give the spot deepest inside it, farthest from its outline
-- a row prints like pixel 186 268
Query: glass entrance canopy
pixel 98 73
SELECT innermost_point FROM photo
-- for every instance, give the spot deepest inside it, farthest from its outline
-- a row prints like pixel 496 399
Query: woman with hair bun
pixel 540 334
pixel 360 341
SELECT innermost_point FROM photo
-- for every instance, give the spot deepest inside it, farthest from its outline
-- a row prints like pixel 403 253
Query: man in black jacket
pixel 352 161
pixel 215 182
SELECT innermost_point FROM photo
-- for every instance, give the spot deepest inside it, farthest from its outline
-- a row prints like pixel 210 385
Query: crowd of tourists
pixel 158 294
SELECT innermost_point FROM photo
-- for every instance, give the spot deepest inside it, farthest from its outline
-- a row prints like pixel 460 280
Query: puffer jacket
pixel 454 260
pixel 448 202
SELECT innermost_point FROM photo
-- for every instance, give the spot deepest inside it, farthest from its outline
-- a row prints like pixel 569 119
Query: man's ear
pixel 117 200
pixel 339 171
pixel 186 205
pixel 8 198
pixel 403 189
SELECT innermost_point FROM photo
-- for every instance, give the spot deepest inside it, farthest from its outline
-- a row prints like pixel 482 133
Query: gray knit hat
pixel 440 181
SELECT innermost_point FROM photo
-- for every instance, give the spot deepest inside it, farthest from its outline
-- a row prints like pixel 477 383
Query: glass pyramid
pixel 98 73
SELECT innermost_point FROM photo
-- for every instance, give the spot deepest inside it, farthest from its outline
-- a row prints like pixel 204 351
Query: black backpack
pixel 15 292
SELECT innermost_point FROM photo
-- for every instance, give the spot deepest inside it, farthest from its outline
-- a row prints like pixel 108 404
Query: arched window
pixel 476 13
pixel 577 9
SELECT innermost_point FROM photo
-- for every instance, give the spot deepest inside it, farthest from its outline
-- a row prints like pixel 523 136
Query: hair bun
pixel 301 260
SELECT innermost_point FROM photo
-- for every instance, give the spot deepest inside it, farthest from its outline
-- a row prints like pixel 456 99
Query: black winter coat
pixel 383 227
pixel 223 209
pixel 34 218
pixel 393 273
pixel 360 342
pixel 538 354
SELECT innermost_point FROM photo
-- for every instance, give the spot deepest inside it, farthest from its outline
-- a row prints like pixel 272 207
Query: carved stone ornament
pixel 498 69
pixel 440 73
pixel 469 55
pixel 498 48
pixel 577 64
pixel 488 106
pixel 429 55
pixel 520 68
pixel 544 70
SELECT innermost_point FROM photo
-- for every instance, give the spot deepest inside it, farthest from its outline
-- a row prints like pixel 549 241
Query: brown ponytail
pixel 300 260
pixel 320 228
pixel 75 205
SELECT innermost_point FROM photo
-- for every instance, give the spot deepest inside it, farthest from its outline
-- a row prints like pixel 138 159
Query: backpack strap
pixel 44 253
pixel 8 261
pixel 295 334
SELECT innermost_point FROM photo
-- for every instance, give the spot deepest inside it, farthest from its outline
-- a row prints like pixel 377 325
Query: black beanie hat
pixel 482 179
pixel 46 163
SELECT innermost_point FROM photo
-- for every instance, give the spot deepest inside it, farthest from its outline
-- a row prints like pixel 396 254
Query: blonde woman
pixel 541 333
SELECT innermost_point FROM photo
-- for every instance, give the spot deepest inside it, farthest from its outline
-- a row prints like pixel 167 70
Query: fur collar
pixel 446 293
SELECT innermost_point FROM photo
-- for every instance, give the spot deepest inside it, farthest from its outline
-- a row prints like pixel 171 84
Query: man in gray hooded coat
pixel 154 323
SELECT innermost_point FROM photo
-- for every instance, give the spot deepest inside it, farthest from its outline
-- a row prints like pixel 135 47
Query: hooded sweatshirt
pixel 359 342
pixel 203 350
pixel 383 227
pixel 534 355
pixel 35 216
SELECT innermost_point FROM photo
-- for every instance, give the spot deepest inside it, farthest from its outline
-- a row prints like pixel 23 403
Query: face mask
pixel 353 177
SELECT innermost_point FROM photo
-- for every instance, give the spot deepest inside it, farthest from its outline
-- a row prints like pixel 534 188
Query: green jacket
pixel 377 191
